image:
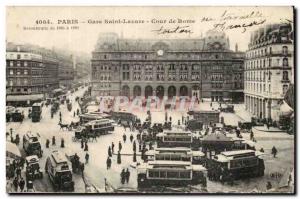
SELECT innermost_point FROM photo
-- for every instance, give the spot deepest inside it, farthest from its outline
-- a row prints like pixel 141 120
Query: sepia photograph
pixel 150 100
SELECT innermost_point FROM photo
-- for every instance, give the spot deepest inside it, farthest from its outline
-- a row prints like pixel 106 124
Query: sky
pixel 84 37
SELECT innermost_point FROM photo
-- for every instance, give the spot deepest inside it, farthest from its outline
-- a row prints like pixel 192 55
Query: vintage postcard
pixel 150 100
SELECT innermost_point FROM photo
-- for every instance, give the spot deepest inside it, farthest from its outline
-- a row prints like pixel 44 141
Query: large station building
pixel 201 67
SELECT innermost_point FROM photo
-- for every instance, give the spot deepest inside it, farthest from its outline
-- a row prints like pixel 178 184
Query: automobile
pixel 17 116
pixel 194 125
pixel 58 168
pixel 33 170
pixel 32 145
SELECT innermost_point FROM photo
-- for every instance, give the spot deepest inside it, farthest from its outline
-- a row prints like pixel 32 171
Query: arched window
pixel 285 50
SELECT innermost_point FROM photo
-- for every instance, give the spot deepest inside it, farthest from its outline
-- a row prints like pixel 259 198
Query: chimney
pixel 236 47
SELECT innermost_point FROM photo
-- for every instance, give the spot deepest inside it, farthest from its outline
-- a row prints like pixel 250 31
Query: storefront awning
pixel 12 150
pixel 18 98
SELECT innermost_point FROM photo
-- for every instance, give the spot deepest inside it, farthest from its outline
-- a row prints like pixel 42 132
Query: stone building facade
pixel 31 73
pixel 201 67
pixel 269 70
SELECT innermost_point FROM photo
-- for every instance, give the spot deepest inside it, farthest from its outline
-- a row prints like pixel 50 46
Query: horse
pixel 62 126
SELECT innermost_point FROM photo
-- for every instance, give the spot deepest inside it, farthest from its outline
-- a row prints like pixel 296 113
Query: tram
pixel 178 139
pixel 173 173
pixel 100 127
pixel 87 117
pixel 176 154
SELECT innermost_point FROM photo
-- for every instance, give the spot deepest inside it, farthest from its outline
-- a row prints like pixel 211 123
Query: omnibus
pixel 58 167
pixel 175 173
pixel 237 164
pixel 176 154
pixel 99 127
pixel 36 113
pixel 177 139
pixel 87 117
pixel 32 144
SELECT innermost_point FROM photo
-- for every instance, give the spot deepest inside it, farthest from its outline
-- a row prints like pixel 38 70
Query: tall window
pixel 284 89
pixel 285 75
pixel 285 62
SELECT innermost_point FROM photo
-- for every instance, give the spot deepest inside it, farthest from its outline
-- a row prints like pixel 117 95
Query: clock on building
pixel 160 52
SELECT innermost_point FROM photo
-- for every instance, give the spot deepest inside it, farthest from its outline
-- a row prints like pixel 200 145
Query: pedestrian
pixel 87 157
pixel 82 168
pixel 77 111
pixel 119 158
pixel 123 176
pixel 269 185
pixel 22 184
pixel 134 156
pixel 127 175
pixel 108 163
pixel 74 114
pixel 251 135
pixel 274 151
pixel 124 137
pixel 47 143
pixel 140 146
pixel 18 172
pixel 16 183
pixel 109 152
pixel 86 147
pixel 134 146
pixel 82 143
pixel 62 143
pixel 112 147
pixel 53 140
pixel 150 145
pixel 120 146
pixel 17 140
pixel 131 138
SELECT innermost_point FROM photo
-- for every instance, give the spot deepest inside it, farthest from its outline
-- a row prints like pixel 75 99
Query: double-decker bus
pixel 174 173
pixel 176 154
pixel 237 164
pixel 177 139
pixel 36 114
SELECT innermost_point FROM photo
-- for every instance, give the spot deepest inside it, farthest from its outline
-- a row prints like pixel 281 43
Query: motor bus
pixel 176 154
pixel 237 164
pixel 178 139
pixel 170 173
pixel 36 113
pixel 59 170
pixel 99 127
pixel 32 145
